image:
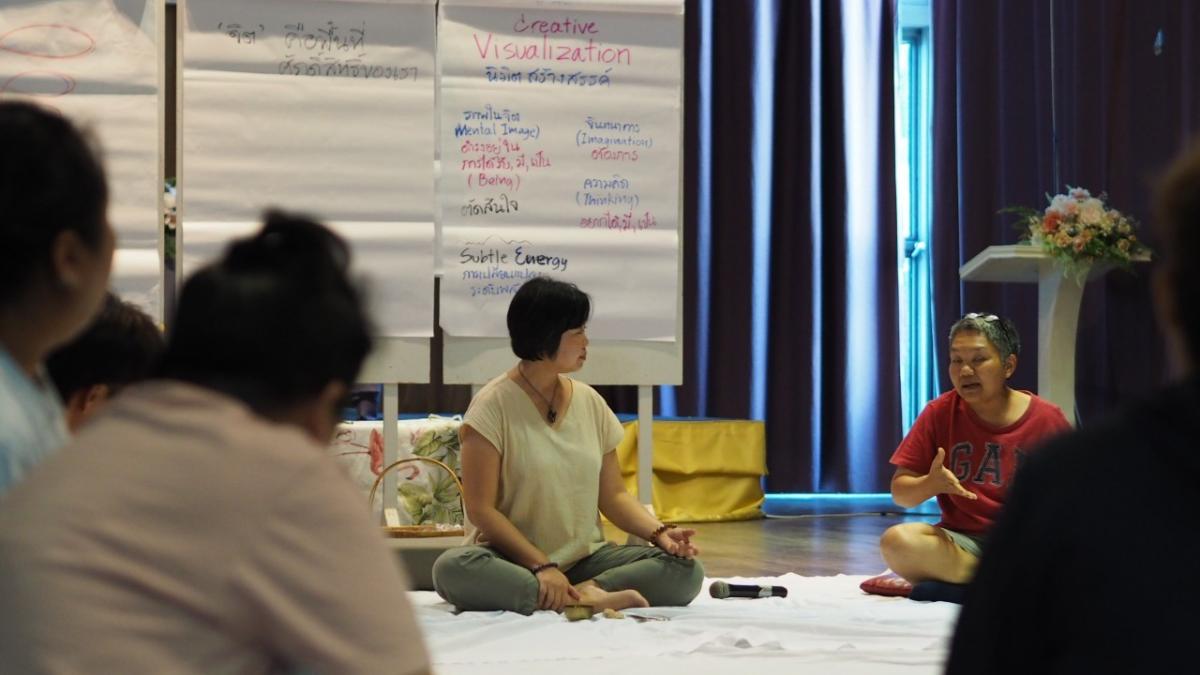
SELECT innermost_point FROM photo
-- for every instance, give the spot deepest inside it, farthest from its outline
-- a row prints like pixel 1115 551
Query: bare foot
pixel 591 594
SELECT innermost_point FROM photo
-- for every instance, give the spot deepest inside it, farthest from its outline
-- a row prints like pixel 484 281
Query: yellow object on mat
pixel 704 470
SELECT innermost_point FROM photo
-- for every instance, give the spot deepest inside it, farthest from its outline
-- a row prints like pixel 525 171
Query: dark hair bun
pixel 292 246
pixel 273 321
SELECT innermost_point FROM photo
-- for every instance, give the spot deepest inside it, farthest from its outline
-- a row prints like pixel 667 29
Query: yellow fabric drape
pixel 704 470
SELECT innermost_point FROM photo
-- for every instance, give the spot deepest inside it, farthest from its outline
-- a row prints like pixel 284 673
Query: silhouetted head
pixel 121 346
pixel 276 322
pixel 56 245
pixel 1177 283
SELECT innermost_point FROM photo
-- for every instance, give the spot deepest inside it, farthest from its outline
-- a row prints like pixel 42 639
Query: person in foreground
pixel 56 250
pixel 1089 570
pixel 964 449
pixel 538 458
pixel 119 348
pixel 198 523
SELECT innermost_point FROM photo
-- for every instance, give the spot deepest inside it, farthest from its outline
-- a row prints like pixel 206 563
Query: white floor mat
pixel 826 624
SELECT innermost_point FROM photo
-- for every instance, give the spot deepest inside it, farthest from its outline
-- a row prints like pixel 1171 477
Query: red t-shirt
pixel 983 457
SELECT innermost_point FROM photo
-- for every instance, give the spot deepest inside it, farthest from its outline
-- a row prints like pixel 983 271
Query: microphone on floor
pixel 721 590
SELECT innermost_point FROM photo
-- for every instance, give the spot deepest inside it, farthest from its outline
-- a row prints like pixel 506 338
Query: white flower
pixel 1064 205
pixel 1091 211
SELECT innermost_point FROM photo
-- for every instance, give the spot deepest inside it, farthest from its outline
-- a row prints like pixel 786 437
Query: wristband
pixel 654 535
pixel 544 566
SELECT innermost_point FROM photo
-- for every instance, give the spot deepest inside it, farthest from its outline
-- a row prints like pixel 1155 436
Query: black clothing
pixel 1091 566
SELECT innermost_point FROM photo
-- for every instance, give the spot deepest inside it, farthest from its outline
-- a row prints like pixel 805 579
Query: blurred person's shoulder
pixel 202 431
pixel 1155 435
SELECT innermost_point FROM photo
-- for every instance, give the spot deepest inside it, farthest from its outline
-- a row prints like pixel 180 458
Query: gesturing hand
pixel 943 480
pixel 678 542
pixel 554 590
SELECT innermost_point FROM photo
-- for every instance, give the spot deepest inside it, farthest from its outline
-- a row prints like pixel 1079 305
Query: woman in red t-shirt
pixel 964 449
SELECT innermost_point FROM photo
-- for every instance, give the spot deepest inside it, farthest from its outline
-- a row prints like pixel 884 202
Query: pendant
pixel 551 415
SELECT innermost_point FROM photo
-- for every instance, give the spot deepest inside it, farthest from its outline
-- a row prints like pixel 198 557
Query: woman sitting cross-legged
pixel 539 466
pixel 964 449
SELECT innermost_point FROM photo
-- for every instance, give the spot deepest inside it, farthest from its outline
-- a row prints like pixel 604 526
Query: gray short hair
pixel 1001 332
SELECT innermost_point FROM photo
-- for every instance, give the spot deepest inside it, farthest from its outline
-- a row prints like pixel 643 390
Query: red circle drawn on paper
pixel 87 42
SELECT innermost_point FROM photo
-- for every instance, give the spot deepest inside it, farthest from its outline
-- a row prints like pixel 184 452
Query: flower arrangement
pixel 1079 230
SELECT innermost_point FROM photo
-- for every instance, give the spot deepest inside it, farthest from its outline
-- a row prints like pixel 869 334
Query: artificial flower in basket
pixel 1079 230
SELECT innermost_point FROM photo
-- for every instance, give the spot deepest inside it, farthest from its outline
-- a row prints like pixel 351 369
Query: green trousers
pixel 478 578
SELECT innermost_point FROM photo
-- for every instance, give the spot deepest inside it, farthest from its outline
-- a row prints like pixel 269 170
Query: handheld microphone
pixel 721 590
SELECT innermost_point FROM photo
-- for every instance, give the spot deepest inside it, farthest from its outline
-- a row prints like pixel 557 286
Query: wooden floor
pixel 811 545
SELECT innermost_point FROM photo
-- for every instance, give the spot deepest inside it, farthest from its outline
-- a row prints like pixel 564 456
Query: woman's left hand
pixel 678 542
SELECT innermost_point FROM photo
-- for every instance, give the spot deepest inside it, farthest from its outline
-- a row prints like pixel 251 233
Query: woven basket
pixel 418 531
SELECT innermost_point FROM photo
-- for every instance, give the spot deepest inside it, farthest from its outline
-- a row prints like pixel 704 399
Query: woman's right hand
pixel 943 481
pixel 554 590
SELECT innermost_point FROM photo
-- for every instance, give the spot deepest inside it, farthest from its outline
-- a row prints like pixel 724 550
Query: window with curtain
pixel 914 103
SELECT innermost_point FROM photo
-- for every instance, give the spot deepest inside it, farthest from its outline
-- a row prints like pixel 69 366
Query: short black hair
pixel 274 321
pixel 51 181
pixel 120 347
pixel 540 312
pixel 1177 217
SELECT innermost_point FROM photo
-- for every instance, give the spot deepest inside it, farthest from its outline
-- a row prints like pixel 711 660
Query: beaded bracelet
pixel 544 566
pixel 654 535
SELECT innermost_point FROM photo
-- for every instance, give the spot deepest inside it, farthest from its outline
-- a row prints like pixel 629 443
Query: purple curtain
pixel 832 387
pixel 834 391
pixel 832 403
pixel 1124 98
pixel 832 375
